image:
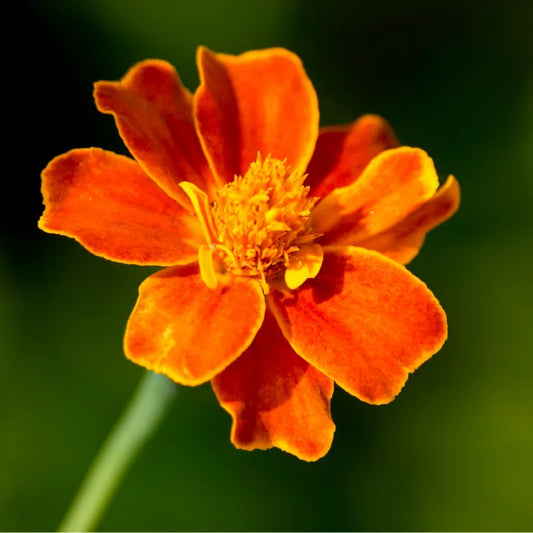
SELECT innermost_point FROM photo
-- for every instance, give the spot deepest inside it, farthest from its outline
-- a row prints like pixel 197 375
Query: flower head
pixel 284 244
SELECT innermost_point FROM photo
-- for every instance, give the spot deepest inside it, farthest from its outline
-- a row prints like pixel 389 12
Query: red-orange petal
pixel 342 153
pixel 403 241
pixel 260 101
pixel 276 398
pixel 394 184
pixel 113 208
pixel 153 113
pixel 364 321
pixel 181 328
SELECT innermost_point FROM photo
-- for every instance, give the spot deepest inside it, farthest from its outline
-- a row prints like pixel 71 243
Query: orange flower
pixel 284 244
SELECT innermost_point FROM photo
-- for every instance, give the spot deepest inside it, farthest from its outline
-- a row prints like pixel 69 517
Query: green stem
pixel 137 423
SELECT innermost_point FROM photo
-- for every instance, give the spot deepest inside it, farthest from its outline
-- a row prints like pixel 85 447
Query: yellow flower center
pixel 259 225
pixel 262 218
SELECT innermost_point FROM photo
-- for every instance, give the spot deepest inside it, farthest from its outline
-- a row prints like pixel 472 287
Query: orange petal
pixel 111 206
pixel 393 185
pixel 181 328
pixel 342 153
pixel 153 113
pixel 403 241
pixel 260 101
pixel 276 399
pixel 364 321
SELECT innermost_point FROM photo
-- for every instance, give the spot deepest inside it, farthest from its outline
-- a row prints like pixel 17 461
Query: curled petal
pixel 305 264
pixel 393 185
pixel 260 101
pixel 206 263
pixel 111 206
pixel 403 241
pixel 365 321
pixel 153 113
pixel 189 332
pixel 276 398
pixel 200 203
pixel 342 153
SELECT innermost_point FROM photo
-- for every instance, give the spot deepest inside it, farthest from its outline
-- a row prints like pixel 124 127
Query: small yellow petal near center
pixel 304 264
pixel 200 203
pixel 207 266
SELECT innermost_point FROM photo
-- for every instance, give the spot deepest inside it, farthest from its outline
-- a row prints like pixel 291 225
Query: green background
pixel 454 451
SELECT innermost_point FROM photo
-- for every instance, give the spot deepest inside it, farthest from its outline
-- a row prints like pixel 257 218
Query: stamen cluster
pixel 261 218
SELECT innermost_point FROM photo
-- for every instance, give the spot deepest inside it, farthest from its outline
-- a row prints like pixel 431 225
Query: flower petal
pixel 276 398
pixel 364 321
pixel 181 328
pixel 113 208
pixel 403 241
pixel 208 272
pixel 342 153
pixel 200 203
pixel 260 101
pixel 305 264
pixel 153 113
pixel 393 185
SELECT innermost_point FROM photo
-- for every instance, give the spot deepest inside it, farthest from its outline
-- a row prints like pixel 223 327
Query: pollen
pixel 262 219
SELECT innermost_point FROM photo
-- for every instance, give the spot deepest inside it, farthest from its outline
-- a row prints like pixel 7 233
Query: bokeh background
pixel 454 451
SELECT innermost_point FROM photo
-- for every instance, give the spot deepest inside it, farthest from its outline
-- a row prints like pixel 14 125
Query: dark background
pixel 454 451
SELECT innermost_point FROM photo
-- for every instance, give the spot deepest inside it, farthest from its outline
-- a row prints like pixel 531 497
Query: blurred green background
pixel 455 450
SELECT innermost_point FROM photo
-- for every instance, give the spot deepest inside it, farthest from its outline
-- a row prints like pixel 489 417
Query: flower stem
pixel 136 424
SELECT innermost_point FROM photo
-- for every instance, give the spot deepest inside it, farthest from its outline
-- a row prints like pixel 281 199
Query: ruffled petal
pixel 365 321
pixel 260 101
pixel 153 113
pixel 395 183
pixel 342 153
pixel 113 208
pixel 181 328
pixel 403 241
pixel 276 398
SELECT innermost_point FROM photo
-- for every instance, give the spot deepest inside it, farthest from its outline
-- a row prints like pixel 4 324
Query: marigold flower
pixel 284 244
